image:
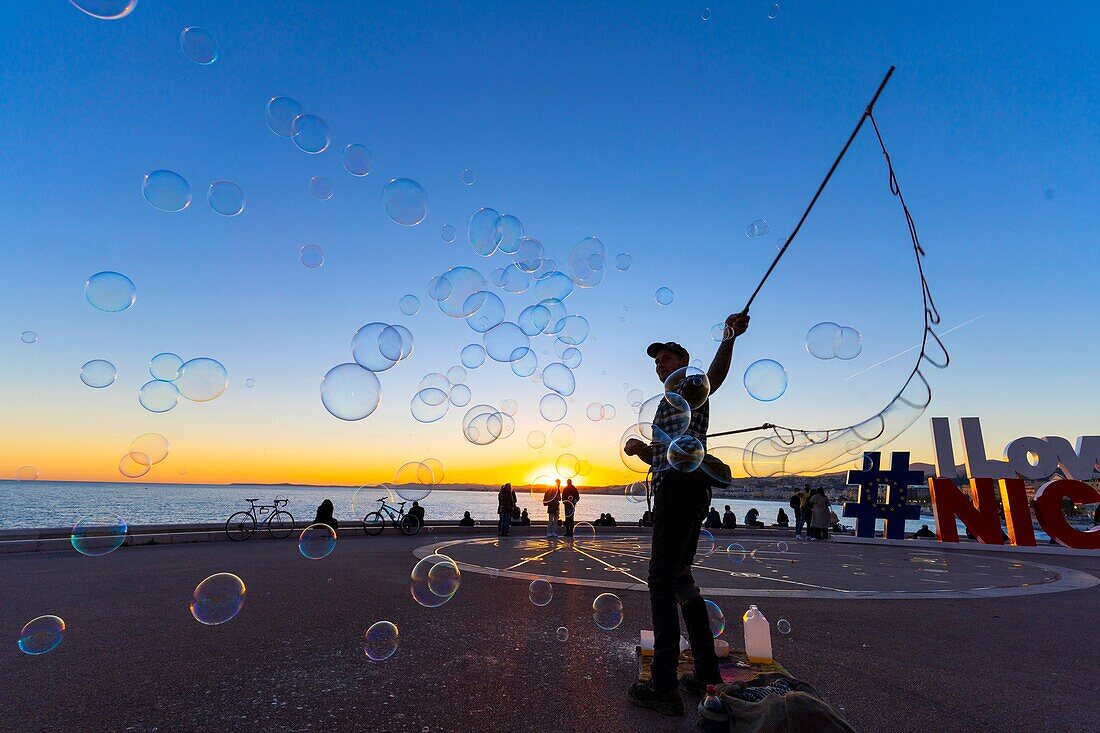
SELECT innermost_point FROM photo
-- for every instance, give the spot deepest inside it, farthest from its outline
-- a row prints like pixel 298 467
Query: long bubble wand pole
pixel 806 213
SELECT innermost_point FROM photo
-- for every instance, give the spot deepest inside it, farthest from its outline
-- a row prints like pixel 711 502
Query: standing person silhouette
pixel 552 500
pixel 681 501
pixel 570 496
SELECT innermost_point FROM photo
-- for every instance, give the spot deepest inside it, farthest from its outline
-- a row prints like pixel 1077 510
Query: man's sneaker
pixel 644 695
pixel 692 684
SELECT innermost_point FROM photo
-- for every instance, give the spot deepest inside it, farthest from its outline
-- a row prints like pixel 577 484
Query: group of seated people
pixel 727 520
pixel 518 517
pixel 605 520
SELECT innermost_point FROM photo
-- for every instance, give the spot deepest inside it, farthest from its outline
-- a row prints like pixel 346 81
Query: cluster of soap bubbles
pixel 485 424
pixel 168 191
pixel 201 379
pixel 827 340
pixel 145 451
pixel 437 393
pixel 758 228
pixel 287 118
pixel 434 580
pixel 597 412
pixel 352 391
pixel 413 481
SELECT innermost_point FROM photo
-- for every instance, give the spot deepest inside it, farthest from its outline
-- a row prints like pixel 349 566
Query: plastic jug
pixel 758 636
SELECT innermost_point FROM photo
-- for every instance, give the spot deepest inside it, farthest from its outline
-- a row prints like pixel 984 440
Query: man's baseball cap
pixel 672 346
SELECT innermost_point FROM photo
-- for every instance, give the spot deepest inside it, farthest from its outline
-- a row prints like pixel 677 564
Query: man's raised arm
pixel 720 366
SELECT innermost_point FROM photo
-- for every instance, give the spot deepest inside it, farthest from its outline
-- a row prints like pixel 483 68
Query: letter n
pixel 980 517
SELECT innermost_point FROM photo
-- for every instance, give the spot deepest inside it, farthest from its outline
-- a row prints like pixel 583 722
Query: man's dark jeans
pixel 680 504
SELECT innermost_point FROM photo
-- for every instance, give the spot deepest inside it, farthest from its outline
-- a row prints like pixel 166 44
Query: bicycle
pixel 374 522
pixel 240 525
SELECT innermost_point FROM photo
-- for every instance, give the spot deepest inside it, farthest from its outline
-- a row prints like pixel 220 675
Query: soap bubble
pixel 540 592
pixel 571 357
pixel 563 435
pixel 717 619
pixel 524 362
pixel 765 380
pixel 736 553
pixel 311 134
pixel 380 641
pixel 607 411
pixel 664 296
pixel 134 465
pixel 566 465
pixel 225 198
pixel 99 534
pixel 158 395
pixel 781 546
pixel 635 492
pixel 202 379
pixel 634 398
pixel 41 635
pixel 413 481
pixel 110 292
pixel 281 113
pixel 409 304
pixel 311 256
pixel 218 599
pixel 822 340
pixel 429 405
pixel 468 177
pixel 98 373
pixel 559 377
pixel 153 445
pixel 436 467
pixel 166 190
pixel 536 439
pixel 460 395
pixel 358 160
pixel 705 545
pixel 623 261
pixel 453 289
pixel 529 254
pixel 783 626
pixel 849 343
pixel 586 262
pixel 376 346
pixel 504 340
pixel 509 407
pixel 472 356
pixel 690 383
pixel 439 382
pixel 434 580
pixel 320 188
pixel 483 424
pixel 562 634
pixel 165 366
pixel 675 411
pixel 534 319
pixel 104 10
pixel 607 611
pixel 26 473
pixel 250 382
pixel 350 392
pixel 456 375
pixel 584 531
pixel 486 311
pixel 28 337
pixel 198 44
pixel 647 434
pixel 572 330
pixel 685 453
pixel 773 11
pixel 553 284
pixel 317 541
pixel 482 231
pixel 514 280
pixel 552 407
pixel 507 233
pixel 757 229
pixel 405 201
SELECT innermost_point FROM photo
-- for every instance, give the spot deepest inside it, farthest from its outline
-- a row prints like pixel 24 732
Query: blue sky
pixel 640 123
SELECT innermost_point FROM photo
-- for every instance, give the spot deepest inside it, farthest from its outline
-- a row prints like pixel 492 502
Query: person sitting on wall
pixel 729 519
pixel 602 521
pixel 418 512
pixel 752 518
pixel 781 519
pixel 466 521
pixel 609 521
pixel 524 519
pixel 924 533
pixel 646 520
pixel 324 515
pixel 713 521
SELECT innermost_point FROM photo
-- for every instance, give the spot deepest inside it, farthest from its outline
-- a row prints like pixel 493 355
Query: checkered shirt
pixel 669 420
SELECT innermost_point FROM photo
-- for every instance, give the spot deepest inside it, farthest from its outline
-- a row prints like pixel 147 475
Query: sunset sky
pixel 663 134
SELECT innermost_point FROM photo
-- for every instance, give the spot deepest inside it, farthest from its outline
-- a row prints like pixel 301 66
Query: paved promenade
pixel 898 638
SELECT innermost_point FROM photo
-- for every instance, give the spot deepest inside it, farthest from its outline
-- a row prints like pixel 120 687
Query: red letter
pixel 1048 510
pixel 1017 516
pixel 981 517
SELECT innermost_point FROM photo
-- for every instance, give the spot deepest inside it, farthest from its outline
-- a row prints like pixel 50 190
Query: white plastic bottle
pixel 758 636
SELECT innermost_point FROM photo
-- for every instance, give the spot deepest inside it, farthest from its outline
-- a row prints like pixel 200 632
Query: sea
pixel 42 504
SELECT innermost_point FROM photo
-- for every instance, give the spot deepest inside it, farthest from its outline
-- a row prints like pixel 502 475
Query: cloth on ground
pixel 759 705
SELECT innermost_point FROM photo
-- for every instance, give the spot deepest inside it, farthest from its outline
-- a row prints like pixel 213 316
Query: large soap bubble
pixel 765 380
pixel 484 424
pixel 98 534
pixel 534 319
pixel 572 330
pixel 317 541
pixel 311 134
pixel 559 377
pixel 166 190
pixel 552 407
pixel 165 366
pixel 153 445
pixel 553 284
pixel 647 434
pixel 199 45
pixel 717 619
pixel 472 356
pixel 281 113
pixel 429 405
pixel 514 280
pixel 563 435
pixel 134 465
pixel 217 599
pixel 481 231
pixel 110 292
pixel 434 580
pixel 486 311
pixel 529 254
pixel 380 641
pixel 405 201
pixel 607 611
pixel 452 290
pixel 225 198
pixel 105 10
pixel 350 392
pixel 320 188
pixel 685 453
pixel 524 362
pixel 507 233
pixel 43 634
pixel 674 410
pixel 821 340
pixel 849 343
pixel 158 395
pixel 540 592
pixel 705 545
pixel 504 340
pixel 202 379
pixel 690 383
pixel 98 373
pixel 586 262
pixel 373 346
pixel 413 481
pixel 358 160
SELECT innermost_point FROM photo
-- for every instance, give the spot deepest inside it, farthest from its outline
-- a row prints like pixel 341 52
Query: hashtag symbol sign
pixel 896 509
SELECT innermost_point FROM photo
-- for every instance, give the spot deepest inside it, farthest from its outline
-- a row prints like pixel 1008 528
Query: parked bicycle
pixel 374 522
pixel 241 525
